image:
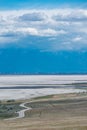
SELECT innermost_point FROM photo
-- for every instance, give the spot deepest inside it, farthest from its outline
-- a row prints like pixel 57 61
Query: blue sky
pixel 17 4
pixel 48 36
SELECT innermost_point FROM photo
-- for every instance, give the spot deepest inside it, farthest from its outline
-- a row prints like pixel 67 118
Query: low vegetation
pixel 8 109
pixel 55 112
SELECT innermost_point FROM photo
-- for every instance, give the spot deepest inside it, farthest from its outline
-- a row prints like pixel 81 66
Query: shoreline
pixel 23 94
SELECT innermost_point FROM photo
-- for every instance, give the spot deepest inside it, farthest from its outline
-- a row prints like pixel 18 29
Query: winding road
pixel 21 113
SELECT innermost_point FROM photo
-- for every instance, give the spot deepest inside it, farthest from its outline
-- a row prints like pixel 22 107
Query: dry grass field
pixel 59 112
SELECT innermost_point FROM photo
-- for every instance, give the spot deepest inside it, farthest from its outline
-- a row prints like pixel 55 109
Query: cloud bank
pixel 48 30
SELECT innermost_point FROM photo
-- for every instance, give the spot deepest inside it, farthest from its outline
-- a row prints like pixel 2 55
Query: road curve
pixel 21 113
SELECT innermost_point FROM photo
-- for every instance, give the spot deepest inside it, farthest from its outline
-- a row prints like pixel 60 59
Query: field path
pixel 21 113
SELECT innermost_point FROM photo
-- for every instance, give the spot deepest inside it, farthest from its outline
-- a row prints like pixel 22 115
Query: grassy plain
pixel 55 112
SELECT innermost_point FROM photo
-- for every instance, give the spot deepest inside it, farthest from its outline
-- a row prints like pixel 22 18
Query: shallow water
pixel 38 85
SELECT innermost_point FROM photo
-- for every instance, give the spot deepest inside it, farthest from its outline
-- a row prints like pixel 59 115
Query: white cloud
pixel 26 31
pixel 59 25
pixel 72 16
pixel 32 17
pixel 77 39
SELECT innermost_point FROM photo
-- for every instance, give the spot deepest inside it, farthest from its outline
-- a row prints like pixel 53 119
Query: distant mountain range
pixel 33 61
